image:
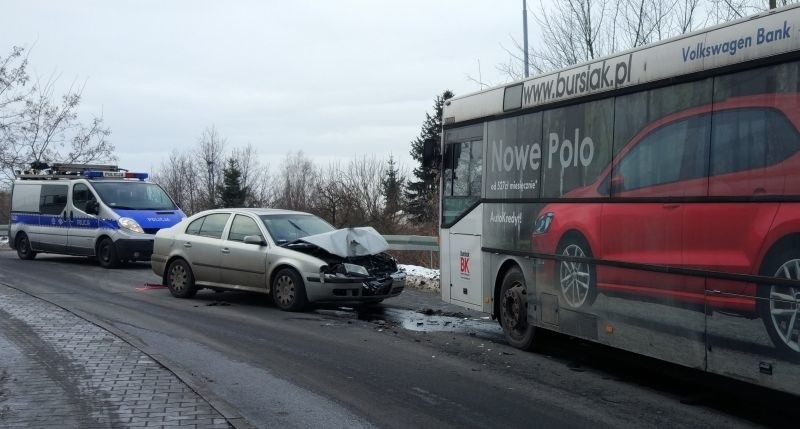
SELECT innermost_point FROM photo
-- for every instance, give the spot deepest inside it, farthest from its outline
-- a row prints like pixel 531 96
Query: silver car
pixel 296 257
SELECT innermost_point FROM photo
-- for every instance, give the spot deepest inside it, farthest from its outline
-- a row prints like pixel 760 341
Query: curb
pixel 220 405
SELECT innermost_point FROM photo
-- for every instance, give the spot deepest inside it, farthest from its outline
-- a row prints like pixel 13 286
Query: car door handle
pixel 187 244
pixel 671 206
pixel 64 215
pixel 226 250
pixel 759 191
pixel 71 216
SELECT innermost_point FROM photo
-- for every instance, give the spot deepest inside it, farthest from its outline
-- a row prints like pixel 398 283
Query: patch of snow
pixel 417 271
pixel 421 278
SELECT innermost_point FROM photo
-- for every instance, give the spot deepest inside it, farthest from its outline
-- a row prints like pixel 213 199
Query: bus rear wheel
pixel 514 310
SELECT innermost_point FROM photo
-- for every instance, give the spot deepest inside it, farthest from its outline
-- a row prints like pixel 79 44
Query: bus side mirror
pixel 429 154
pixel 92 207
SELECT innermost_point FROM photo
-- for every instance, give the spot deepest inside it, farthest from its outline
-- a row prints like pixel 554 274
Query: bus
pixel 648 201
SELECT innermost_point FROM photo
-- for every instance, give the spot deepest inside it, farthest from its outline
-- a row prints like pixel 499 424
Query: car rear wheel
pixel 180 279
pixel 577 280
pixel 288 291
pixel 107 254
pixel 514 310
pixel 24 247
pixel 779 306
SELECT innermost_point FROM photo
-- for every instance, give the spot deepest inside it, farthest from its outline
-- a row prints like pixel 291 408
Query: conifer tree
pixel 232 194
pixel 392 188
pixel 421 193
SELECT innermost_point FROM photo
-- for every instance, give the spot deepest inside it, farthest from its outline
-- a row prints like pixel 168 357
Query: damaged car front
pixel 353 265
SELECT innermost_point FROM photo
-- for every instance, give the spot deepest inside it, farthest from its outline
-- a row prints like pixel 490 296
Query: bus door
pixel 466 268
pixel 462 179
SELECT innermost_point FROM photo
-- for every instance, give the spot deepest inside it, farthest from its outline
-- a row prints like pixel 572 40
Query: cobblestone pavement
pixel 60 371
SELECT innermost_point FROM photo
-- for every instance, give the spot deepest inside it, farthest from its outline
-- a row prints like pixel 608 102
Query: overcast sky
pixel 336 79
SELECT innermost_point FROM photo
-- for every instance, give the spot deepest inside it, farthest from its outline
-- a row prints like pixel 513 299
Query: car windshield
pixel 133 196
pixel 289 227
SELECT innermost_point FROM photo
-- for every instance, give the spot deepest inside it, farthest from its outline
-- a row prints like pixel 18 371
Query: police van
pixel 99 211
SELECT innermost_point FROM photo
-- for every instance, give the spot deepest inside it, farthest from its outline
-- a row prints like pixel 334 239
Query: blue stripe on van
pixel 57 221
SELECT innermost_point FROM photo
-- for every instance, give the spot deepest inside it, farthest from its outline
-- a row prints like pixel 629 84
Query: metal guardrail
pixel 412 242
pixel 396 242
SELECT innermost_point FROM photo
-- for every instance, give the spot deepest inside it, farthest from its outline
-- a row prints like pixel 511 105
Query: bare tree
pixel 177 176
pixel 361 179
pixel 13 80
pixel 37 126
pixel 330 200
pixel 295 183
pixel 210 157
pixel 575 31
pixel 254 178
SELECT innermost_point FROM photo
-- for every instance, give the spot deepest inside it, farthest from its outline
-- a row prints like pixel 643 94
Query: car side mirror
pixel 254 239
pixel 92 207
pixel 617 183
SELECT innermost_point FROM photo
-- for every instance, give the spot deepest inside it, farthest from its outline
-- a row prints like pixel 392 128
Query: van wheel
pixel 577 280
pixel 180 279
pixel 779 306
pixel 514 310
pixel 23 246
pixel 288 291
pixel 107 254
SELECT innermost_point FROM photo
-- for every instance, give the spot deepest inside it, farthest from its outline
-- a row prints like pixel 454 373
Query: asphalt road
pixel 395 367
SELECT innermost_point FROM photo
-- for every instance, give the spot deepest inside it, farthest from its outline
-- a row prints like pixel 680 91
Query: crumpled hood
pixel 349 242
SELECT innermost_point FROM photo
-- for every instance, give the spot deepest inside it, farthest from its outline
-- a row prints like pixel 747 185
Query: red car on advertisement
pixel 703 191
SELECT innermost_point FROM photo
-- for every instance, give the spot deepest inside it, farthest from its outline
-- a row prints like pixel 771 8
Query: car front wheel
pixel 288 291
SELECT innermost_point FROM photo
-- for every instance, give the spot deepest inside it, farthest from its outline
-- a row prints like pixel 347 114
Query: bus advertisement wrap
pixel 664 220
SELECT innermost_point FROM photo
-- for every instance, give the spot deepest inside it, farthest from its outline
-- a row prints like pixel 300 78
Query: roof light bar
pixel 114 175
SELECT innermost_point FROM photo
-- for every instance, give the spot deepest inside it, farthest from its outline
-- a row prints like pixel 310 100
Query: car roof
pixel 255 211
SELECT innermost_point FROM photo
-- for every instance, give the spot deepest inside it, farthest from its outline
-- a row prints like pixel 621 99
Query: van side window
pixel 53 199
pixel 81 195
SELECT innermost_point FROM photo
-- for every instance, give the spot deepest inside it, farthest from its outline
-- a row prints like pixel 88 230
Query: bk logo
pixel 465 265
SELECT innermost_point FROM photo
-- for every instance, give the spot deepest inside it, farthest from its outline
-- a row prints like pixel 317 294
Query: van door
pixel 53 221
pixel 82 225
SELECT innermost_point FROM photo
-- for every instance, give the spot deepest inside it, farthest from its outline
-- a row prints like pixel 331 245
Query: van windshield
pixel 133 196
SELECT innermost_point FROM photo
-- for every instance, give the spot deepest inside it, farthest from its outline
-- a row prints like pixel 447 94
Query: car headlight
pixel 543 223
pixel 130 225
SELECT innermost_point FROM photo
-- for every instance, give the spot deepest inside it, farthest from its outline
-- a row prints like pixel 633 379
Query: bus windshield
pixel 134 196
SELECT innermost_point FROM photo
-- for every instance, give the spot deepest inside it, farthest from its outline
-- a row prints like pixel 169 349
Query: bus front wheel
pixel 514 310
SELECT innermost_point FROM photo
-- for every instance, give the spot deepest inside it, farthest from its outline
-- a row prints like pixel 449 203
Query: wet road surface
pixel 392 367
